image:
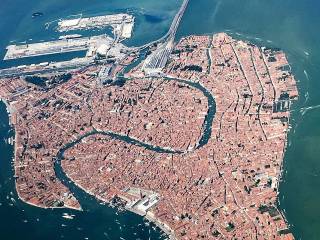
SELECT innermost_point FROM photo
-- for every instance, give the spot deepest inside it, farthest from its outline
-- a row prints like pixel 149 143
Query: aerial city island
pixel 192 137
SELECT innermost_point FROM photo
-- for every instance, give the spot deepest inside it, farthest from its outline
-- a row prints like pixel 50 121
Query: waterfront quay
pixel 45 67
pixel 57 46
pixel 100 50
pixel 122 24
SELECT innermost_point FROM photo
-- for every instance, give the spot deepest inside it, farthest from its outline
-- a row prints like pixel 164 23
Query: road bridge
pixel 155 62
pixel 170 35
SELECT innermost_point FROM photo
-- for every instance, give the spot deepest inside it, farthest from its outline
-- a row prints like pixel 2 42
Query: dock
pixel 56 47
pixel 46 67
pixel 122 24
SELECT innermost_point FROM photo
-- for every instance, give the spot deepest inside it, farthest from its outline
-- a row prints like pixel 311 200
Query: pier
pixel 122 24
pixel 46 67
pixel 57 46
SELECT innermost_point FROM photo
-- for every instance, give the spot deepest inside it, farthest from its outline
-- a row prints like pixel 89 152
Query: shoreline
pixel 166 229
pixel 10 111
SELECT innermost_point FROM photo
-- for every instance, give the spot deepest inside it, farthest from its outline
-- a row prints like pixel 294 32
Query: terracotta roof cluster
pixel 226 189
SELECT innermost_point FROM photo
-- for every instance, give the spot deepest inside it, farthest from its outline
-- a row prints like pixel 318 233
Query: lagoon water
pixel 291 25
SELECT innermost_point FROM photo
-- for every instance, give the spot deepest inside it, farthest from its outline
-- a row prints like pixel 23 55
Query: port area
pixel 104 54
pixel 46 67
pixel 122 24
pixel 91 44
pixel 100 49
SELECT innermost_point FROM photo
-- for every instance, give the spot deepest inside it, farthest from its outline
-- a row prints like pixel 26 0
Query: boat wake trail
pixel 216 10
pixel 306 95
pixel 304 110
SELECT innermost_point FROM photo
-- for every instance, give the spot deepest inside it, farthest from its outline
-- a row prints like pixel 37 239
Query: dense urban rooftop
pixel 139 138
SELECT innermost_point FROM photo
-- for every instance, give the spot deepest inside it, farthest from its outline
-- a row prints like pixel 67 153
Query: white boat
pixel 10 140
pixel 71 36
pixel 68 216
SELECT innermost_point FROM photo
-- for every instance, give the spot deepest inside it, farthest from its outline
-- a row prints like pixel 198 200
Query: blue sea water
pixel 291 25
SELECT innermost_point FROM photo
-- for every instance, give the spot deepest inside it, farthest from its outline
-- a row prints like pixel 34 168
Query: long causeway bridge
pixel 158 59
